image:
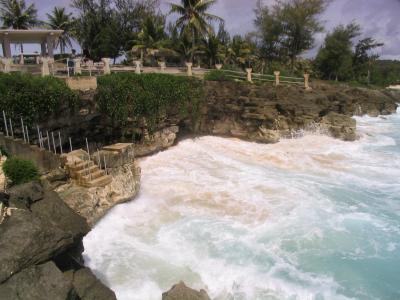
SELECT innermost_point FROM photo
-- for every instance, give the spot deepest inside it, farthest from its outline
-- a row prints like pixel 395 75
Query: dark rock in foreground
pixel 181 292
pixel 39 282
pixel 41 246
pixel 88 287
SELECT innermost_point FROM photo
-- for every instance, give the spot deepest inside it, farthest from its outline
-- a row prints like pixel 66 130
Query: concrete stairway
pixel 86 173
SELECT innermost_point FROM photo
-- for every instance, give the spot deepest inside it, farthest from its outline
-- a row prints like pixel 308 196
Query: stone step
pixel 83 172
pixel 93 175
pixel 74 167
pixel 98 182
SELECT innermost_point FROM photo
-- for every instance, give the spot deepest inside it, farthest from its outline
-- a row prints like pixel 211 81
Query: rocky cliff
pixel 255 113
pixel 265 113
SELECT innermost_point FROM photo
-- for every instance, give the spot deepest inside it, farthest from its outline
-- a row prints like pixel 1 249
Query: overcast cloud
pixel 378 18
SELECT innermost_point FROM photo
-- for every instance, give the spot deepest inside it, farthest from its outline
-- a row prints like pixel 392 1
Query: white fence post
pixel 307 82
pixel 277 80
pixel 137 69
pixel 6 65
pixel 77 66
pixel 189 66
pixel 249 70
pixel 163 66
pixel 107 69
pixel 45 66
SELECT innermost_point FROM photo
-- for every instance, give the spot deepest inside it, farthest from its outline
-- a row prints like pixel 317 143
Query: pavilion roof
pixel 29 35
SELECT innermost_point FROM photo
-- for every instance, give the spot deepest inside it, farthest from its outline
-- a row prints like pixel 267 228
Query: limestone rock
pixel 264 135
pixel 158 141
pixel 88 287
pixel 93 203
pixel 26 240
pixel 33 237
pixel 57 177
pixel 26 194
pixel 38 282
pixel 181 292
pixel 340 126
pixel 4 198
pixel 60 215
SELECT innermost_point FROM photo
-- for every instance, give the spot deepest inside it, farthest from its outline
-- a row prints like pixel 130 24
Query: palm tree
pixel 194 19
pixel 151 38
pixel 59 19
pixel 14 14
pixel 240 52
pixel 213 49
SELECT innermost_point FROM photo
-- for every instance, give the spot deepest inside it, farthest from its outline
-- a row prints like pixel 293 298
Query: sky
pixel 378 18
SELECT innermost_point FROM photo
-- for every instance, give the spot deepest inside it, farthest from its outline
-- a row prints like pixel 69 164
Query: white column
pixel 218 66
pixel 21 59
pixel 189 66
pixel 277 81
pixel 137 69
pixel 6 65
pixel 307 82
pixel 50 45
pixel 77 66
pixel 106 61
pixel 162 65
pixel 43 49
pixel 45 66
pixel 249 70
pixel 6 46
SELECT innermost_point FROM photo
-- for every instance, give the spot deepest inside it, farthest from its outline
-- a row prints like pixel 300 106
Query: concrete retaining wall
pixel 45 160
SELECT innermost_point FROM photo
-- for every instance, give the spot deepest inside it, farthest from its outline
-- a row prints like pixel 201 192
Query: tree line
pixel 138 29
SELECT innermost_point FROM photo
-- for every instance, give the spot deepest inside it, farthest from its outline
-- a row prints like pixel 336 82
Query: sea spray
pixel 307 218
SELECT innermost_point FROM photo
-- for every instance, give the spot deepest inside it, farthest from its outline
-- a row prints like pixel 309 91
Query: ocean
pixel 307 218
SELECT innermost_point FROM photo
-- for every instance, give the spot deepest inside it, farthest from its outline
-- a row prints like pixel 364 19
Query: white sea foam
pixel 301 219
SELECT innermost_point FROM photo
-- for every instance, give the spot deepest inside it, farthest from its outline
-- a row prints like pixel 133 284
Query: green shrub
pixel 151 96
pixel 217 75
pixel 3 152
pixel 20 170
pixel 33 97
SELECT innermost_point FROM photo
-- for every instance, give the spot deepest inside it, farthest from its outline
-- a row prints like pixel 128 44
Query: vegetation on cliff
pixel 217 75
pixel 20 170
pixel 127 96
pixel 32 97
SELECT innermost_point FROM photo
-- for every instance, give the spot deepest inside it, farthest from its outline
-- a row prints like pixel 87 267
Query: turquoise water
pixel 308 218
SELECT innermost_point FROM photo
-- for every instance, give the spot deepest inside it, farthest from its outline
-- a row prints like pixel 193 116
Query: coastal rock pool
pixel 307 218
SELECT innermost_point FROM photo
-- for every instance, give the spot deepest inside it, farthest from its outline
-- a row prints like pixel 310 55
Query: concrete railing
pixel 104 67
pixel 45 160
pixel 276 79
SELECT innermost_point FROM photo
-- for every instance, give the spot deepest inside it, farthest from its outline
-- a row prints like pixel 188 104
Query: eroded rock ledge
pixel 256 113
pixel 265 113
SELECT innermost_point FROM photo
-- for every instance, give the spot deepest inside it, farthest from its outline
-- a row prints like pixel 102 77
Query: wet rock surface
pixel 264 113
pixel 88 287
pixel 181 292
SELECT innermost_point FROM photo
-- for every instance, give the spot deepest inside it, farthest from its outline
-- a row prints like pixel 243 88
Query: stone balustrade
pixel 189 66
